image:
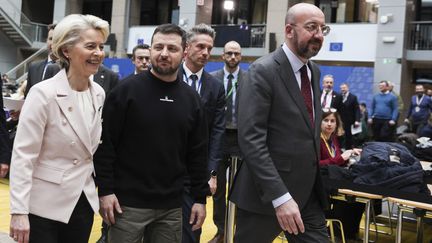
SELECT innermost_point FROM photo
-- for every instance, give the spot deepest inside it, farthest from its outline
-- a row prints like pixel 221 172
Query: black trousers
pixel 382 130
pixel 188 236
pixel 43 230
pixel 260 228
pixel 231 148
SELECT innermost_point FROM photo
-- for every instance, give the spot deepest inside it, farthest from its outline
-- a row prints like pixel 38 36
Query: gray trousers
pixel 137 225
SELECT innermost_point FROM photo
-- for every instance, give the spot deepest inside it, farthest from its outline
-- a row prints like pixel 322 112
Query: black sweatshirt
pixel 154 133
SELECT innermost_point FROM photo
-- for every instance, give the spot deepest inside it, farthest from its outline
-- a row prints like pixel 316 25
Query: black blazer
pixel 350 110
pixel 219 74
pixel 279 144
pixel 5 148
pixel 106 78
pixel 34 75
pixel 336 101
pixel 213 98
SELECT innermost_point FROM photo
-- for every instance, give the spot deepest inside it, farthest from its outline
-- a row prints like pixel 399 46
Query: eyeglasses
pixel 332 110
pixel 230 53
pixel 313 28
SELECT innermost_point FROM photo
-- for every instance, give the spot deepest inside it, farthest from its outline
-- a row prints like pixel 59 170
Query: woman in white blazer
pixel 52 191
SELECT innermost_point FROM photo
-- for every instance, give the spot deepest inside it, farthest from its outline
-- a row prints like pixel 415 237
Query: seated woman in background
pixel 349 213
pixel 331 128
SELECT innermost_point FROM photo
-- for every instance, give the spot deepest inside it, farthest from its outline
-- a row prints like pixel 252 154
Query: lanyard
pixel 234 83
pixel 419 101
pixel 330 149
pixel 187 80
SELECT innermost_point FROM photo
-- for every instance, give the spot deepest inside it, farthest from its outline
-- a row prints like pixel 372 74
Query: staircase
pixel 12 30
pixel 19 28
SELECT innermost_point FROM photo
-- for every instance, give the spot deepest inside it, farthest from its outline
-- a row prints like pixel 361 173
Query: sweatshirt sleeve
pixel 112 124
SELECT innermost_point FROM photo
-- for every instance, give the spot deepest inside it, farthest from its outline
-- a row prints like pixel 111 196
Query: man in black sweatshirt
pixel 154 133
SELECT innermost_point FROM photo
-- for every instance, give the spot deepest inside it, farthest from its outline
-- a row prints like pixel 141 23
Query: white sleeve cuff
pixel 281 200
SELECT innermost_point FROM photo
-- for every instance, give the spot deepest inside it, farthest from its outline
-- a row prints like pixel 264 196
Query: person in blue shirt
pixel 419 110
pixel 384 113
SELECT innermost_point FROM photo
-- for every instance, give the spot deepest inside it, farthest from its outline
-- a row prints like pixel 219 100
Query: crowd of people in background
pixel 158 142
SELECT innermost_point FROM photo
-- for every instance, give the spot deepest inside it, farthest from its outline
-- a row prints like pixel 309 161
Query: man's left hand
pixel 356 124
pixel 198 214
pixel 213 184
pixel 4 168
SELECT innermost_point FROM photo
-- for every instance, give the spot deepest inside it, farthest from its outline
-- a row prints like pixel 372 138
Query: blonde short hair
pixel 68 31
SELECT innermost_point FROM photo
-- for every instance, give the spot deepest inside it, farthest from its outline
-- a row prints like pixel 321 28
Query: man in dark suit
pixel 37 70
pixel 5 149
pixel 350 114
pixel 278 186
pixel 199 42
pixel 329 97
pixel 230 76
pixel 105 77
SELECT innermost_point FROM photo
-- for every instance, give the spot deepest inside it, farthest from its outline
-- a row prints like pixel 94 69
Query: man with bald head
pixel 278 186
pixel 230 76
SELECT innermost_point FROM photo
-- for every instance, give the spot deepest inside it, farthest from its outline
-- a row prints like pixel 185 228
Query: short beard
pixel 231 65
pixel 304 51
pixel 164 71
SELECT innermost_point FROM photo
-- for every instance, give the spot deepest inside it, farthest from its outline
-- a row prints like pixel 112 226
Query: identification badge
pixel 417 109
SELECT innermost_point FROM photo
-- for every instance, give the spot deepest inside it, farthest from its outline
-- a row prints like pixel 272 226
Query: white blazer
pixel 52 157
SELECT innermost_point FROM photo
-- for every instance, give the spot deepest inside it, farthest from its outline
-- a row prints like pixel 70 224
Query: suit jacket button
pixel 64 122
pixel 72 143
pixel 70 108
pixel 75 161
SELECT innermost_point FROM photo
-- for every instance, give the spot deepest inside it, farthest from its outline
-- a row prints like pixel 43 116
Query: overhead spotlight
pixel 228 5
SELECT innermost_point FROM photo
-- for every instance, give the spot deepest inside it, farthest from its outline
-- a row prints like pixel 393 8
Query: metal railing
pixel 246 35
pixel 421 35
pixel 33 31
pixel 19 72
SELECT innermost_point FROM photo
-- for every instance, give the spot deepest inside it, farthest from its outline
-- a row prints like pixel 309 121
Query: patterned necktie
pixel 325 99
pixel 194 78
pixel 229 100
pixel 306 92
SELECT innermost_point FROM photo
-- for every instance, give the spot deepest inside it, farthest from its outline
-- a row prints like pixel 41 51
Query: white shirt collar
pixel 189 72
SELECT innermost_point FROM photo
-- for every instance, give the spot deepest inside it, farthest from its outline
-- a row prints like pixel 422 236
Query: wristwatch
pixel 213 173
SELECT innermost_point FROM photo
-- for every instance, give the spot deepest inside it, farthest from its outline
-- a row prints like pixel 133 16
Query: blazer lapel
pixel 68 104
pixel 287 76
pixel 204 87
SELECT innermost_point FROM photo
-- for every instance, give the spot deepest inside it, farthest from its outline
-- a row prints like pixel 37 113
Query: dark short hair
pixel 139 46
pixel 385 82
pixel 171 29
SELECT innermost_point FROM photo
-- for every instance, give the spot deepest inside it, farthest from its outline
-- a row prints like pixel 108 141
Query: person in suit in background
pixel 53 196
pixel 278 185
pixel 105 77
pixel 141 58
pixel 230 76
pixel 329 97
pixel 5 149
pixel 37 70
pixel 419 110
pixel 350 114
pixel 199 43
